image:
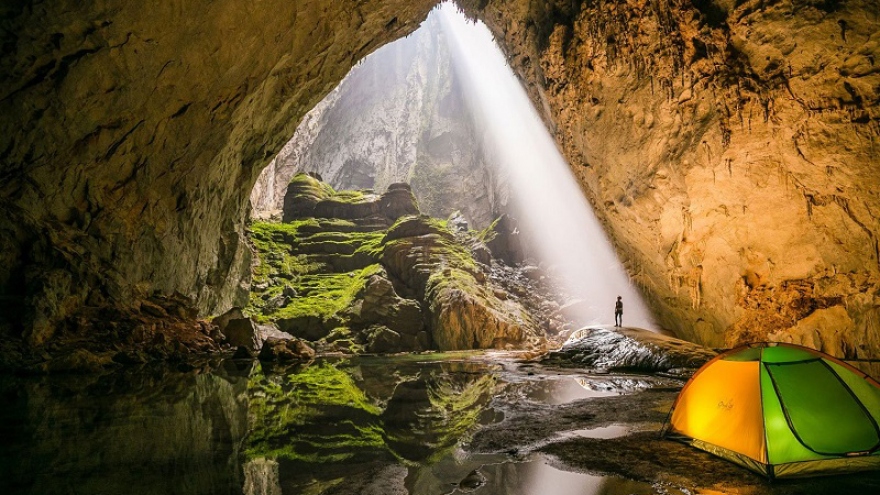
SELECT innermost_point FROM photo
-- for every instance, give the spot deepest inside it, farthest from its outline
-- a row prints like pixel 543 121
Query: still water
pixel 346 426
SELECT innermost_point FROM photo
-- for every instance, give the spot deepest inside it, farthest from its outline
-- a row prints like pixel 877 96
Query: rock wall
pixel 730 149
pixel 399 116
pixel 131 136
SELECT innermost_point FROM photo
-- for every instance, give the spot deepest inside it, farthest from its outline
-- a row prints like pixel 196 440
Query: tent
pixel 781 410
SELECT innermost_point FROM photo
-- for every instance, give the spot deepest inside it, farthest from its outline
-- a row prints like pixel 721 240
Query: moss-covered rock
pixel 355 271
pixel 308 197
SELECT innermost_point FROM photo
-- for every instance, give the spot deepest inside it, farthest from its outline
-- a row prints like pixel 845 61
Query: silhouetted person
pixel 618 312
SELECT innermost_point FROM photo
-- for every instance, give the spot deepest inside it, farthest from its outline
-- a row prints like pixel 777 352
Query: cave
pixel 729 150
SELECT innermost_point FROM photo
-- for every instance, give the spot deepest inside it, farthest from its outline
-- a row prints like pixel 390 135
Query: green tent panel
pixel 781 410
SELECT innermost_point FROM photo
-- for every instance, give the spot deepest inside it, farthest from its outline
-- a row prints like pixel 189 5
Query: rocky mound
pixel 632 349
pixel 355 271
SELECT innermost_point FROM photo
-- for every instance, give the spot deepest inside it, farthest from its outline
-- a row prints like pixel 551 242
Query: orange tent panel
pixel 722 405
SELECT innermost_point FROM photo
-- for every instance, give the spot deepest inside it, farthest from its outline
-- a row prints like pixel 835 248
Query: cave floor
pixel 483 423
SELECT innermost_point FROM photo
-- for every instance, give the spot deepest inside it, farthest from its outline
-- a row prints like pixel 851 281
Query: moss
pixel 352 197
pixel 308 184
pixel 297 255
pixel 489 233
pixel 320 295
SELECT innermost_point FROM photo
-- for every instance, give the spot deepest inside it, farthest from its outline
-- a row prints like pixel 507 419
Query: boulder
pixel 285 351
pixel 382 340
pixel 306 327
pixel 221 321
pixel 243 332
pixel 304 192
pixel 398 201
pixel 381 304
pixel 627 348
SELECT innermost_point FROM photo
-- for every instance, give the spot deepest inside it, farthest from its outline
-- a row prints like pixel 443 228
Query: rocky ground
pixel 640 453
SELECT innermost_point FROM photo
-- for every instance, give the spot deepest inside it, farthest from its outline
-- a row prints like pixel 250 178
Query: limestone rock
pixel 285 351
pixel 78 361
pixel 381 304
pixel 382 340
pixel 629 348
pixel 464 312
pixel 308 197
pixel 131 139
pixel 242 332
pixel 729 149
pixel 223 320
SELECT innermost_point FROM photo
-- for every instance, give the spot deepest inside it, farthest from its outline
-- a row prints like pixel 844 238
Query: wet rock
pixel 475 479
pixel 242 332
pixel 130 357
pixel 285 351
pixel 308 327
pixel 629 349
pixel 221 321
pixel 382 340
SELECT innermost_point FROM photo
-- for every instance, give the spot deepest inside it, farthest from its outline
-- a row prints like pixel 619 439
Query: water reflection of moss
pixel 316 415
pixel 426 419
pixel 321 415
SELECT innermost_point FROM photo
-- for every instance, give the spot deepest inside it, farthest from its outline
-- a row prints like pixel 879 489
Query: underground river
pixel 417 424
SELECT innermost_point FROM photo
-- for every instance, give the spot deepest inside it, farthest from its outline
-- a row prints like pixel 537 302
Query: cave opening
pixel 441 114
pixel 730 149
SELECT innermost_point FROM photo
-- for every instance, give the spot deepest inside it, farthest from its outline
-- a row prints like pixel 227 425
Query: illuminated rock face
pixel 131 136
pixel 731 152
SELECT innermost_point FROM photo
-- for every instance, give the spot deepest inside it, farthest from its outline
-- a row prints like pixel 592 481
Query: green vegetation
pixel 325 295
pixel 299 256
pixel 489 233
pixel 311 272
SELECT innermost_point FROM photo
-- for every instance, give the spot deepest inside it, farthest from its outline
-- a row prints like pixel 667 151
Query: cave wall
pixel 399 116
pixel 730 149
pixel 131 134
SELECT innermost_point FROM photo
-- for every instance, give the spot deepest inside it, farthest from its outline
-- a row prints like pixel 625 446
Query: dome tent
pixel 781 410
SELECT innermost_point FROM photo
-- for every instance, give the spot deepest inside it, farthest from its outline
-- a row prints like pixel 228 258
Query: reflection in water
pixel 149 432
pixel 534 476
pixel 556 390
pixel 358 426
pixel 604 432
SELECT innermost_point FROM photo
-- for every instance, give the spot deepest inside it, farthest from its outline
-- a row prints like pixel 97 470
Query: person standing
pixel 618 312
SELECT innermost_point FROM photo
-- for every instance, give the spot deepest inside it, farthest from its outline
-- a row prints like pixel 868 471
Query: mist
pixel 559 221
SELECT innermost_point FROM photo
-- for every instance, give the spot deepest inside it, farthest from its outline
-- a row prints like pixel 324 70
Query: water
pixel 555 213
pixel 367 425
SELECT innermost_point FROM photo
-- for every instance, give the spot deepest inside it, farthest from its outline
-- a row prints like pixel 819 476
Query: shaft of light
pixel 552 207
